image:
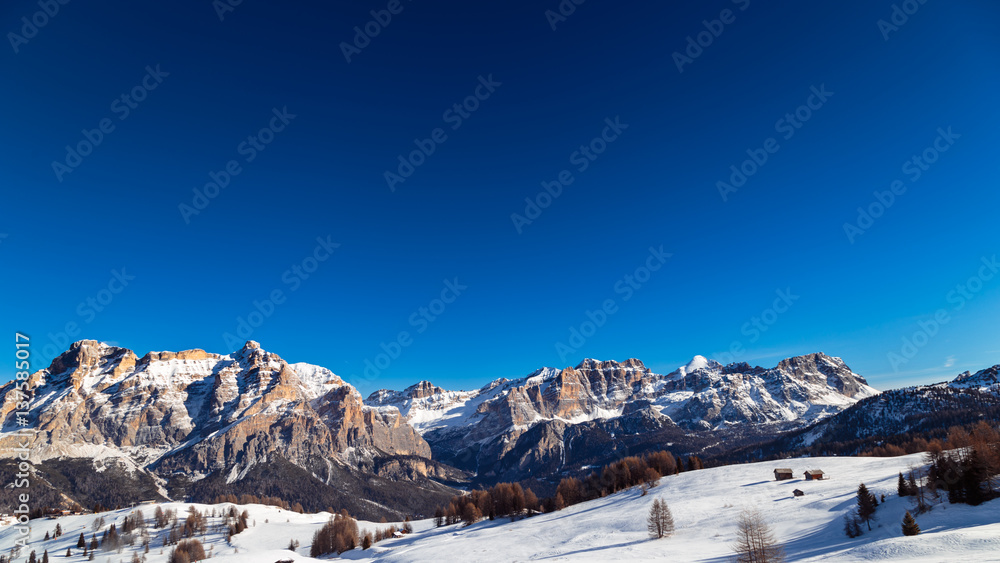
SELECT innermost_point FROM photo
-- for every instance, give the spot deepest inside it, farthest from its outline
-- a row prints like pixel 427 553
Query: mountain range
pixel 111 427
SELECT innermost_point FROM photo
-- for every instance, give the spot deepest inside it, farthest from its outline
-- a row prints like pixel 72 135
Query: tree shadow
pixel 594 549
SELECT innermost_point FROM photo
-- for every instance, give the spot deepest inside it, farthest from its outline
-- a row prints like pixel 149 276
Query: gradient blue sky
pixel 323 176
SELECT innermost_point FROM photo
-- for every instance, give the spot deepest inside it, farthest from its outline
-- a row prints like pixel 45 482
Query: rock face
pixel 196 412
pixel 509 426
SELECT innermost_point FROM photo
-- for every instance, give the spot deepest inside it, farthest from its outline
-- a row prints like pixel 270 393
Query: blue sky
pixel 449 272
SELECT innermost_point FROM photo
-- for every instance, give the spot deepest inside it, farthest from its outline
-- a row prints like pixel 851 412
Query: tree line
pixel 511 500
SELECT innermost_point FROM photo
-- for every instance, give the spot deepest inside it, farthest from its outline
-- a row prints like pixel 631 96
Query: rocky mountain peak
pixel 198 412
pixel 983 378
pixel 592 364
pixel 422 389
pixel 823 370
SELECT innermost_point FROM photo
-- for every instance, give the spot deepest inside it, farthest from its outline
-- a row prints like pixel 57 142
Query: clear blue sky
pixel 542 94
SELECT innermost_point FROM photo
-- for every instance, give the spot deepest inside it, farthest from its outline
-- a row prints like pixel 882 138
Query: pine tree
pixel 902 488
pixel 910 527
pixel 866 505
pixel 82 542
pixel 660 522
pixel 851 526
pixel 32 558
pixel 45 556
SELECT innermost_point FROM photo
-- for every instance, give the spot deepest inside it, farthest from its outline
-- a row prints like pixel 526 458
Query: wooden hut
pixel 782 474
pixel 814 475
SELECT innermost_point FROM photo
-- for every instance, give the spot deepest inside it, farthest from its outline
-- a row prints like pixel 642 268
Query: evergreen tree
pixel 902 487
pixel 45 556
pixel 32 558
pixel 851 526
pixel 82 542
pixel 866 505
pixel 910 527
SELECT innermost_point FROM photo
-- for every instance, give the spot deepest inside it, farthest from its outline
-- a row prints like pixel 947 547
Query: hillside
pixel 704 504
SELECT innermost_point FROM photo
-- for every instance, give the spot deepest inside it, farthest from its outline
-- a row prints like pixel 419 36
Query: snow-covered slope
pixel 921 408
pixel 704 504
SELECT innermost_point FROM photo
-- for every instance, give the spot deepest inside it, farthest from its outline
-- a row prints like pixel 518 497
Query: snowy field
pixel 704 505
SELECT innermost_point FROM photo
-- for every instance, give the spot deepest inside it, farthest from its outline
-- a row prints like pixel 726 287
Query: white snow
pixel 704 505
pixel 696 363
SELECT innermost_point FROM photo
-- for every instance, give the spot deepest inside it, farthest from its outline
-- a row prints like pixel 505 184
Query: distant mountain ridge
pixel 193 424
pixel 476 430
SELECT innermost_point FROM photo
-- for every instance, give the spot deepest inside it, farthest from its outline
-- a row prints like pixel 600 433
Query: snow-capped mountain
pixel 923 408
pixel 196 414
pixel 475 429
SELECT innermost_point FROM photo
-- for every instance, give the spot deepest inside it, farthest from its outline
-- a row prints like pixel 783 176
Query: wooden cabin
pixel 814 475
pixel 782 474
